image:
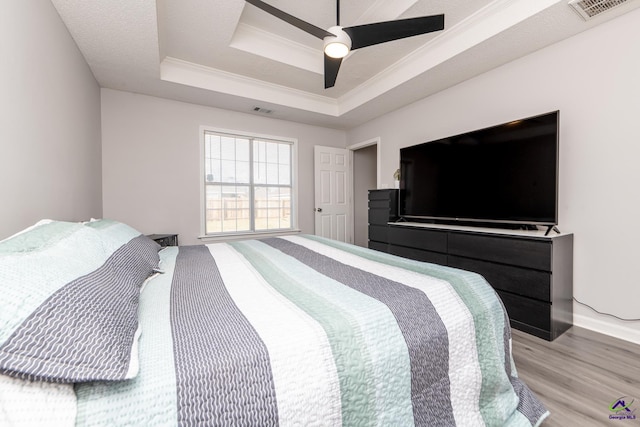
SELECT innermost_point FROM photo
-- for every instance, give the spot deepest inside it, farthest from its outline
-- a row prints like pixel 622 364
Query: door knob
pixel 318 209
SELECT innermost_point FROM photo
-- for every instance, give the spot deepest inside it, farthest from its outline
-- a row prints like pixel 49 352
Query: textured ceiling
pixel 230 54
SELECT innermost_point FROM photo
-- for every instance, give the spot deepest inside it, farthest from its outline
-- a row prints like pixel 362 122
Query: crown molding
pixel 268 45
pixel 382 10
pixel 189 74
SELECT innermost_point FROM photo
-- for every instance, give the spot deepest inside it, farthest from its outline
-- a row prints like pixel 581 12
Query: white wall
pixel 49 121
pixel 593 79
pixel 151 171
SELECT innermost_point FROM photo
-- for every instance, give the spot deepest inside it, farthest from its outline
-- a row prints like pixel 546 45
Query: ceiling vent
pixel 261 110
pixel 590 8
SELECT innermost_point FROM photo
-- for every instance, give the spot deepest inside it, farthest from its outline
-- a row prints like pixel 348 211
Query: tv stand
pixel 551 227
pixel 531 270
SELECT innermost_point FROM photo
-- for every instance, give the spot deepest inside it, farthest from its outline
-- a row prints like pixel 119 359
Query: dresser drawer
pixel 380 204
pixel 382 247
pixel 383 194
pixel 523 281
pixel 378 216
pixel 536 314
pixel 418 255
pixel 505 250
pixel 379 233
pixel 429 240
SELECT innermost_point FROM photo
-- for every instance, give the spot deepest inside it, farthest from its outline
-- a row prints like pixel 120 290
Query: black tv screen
pixel 503 174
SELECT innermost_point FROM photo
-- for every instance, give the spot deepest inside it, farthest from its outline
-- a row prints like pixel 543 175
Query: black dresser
pixel 383 208
pixel 532 273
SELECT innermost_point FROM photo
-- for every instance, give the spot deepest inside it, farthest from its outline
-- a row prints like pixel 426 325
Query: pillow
pixel 70 301
pixel 42 221
pixel 142 252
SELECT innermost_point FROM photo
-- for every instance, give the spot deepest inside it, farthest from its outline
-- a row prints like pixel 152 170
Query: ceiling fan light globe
pixel 336 50
pixel 338 46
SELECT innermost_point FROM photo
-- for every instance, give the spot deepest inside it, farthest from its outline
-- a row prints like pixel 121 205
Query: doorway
pixel 365 177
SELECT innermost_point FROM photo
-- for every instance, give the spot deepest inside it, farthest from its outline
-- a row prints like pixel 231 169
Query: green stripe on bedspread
pixel 144 400
pixel 498 400
pixel 358 359
pixel 417 318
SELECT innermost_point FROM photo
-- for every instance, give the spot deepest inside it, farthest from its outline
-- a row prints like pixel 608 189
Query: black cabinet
pixel 532 273
pixel 383 208
pixel 164 240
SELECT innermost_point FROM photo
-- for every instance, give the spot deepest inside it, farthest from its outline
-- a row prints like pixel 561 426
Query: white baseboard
pixel 608 328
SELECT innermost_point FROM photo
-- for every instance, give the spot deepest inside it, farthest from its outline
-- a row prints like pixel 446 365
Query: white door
pixel 332 193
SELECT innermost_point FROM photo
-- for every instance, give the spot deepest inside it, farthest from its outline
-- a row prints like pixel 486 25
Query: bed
pixel 99 326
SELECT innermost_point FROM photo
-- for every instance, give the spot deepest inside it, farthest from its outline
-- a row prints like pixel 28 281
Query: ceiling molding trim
pixel 482 25
pixel 187 73
pixel 384 10
pixel 271 46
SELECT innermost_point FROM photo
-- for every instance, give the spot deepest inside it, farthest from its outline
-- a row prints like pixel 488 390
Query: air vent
pixel 262 110
pixel 591 8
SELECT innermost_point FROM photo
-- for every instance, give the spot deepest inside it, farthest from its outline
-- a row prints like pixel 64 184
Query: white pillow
pixel 42 221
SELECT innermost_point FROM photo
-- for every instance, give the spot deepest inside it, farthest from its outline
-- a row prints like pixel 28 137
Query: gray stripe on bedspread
pixel 528 404
pixel 223 372
pixel 419 323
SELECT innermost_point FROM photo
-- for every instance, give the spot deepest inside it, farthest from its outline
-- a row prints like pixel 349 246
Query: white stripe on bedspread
pixel 25 403
pixel 150 398
pixel 312 394
pixel 464 370
pixel 376 324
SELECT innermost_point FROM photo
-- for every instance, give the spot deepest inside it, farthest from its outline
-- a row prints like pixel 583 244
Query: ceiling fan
pixel 339 41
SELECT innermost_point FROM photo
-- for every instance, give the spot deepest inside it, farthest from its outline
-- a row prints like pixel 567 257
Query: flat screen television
pixel 501 175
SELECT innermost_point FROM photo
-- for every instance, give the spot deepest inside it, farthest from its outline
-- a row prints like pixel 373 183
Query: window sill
pixel 244 236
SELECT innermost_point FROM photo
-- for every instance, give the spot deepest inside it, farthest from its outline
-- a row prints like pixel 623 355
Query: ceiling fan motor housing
pixel 338 46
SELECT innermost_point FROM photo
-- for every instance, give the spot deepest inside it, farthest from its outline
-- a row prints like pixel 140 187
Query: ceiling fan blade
pixel 304 26
pixel 381 32
pixel 331 67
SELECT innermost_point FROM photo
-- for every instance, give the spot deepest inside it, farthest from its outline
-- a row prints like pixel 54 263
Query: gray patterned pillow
pixel 68 311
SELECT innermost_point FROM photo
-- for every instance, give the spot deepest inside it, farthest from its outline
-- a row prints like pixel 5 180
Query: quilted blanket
pixel 306 331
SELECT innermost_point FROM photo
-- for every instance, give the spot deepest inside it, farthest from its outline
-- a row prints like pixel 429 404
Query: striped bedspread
pixel 305 331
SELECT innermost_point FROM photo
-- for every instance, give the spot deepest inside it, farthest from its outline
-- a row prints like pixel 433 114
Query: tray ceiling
pixel 230 54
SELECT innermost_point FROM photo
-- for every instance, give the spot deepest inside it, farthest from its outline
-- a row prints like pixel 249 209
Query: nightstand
pixel 164 239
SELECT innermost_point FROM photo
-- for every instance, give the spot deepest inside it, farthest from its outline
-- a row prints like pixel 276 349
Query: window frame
pixel 232 235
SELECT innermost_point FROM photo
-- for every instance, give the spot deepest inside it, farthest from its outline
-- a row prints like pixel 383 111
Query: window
pixel 248 184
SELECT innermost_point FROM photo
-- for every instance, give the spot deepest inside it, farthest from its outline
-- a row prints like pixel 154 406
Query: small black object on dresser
pixel 532 272
pixel 164 240
pixel 383 208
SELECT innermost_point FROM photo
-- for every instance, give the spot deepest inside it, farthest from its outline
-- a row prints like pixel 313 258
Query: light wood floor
pixel 579 375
